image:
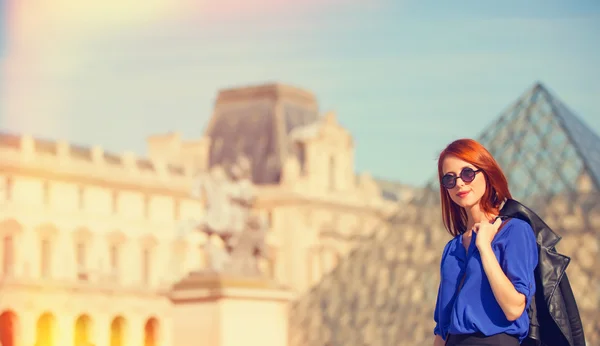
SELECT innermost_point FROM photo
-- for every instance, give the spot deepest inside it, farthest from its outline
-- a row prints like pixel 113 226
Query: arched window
pixel 47 235
pixel 151 332
pixel 9 328
pixel 45 330
pixel 117 331
pixel 146 265
pixel 148 243
pixel 115 202
pixel 8 188
pixel 81 197
pixel 115 260
pixel 116 241
pixel 82 239
pixel 147 206
pixel 8 255
pixel 332 182
pixel 83 331
pixel 46 257
pixel 9 230
pixel 46 193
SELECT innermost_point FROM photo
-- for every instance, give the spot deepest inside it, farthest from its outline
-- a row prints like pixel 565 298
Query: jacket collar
pixel 544 235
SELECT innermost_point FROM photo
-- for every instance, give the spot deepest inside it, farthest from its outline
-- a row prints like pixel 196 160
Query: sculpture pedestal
pixel 219 310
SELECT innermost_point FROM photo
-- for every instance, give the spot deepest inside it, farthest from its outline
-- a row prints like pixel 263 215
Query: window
pixel 301 152
pixel 45 258
pixel 81 197
pixel 176 209
pixel 270 219
pixel 114 259
pixel 332 172
pixel 146 206
pixel 115 202
pixel 46 193
pixel 8 255
pixel 146 265
pixel 8 187
pixel 80 254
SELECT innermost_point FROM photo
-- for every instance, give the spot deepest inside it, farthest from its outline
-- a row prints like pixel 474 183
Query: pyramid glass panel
pixel 585 141
pixel 384 292
pixel 549 138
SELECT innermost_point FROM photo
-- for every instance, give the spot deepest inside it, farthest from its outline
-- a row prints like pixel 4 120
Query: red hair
pixel 496 186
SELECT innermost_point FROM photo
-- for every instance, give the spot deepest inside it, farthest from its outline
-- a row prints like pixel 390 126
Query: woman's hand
pixel 486 232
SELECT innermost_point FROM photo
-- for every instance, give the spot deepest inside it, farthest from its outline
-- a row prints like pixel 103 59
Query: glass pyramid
pixel 383 292
pixel 543 148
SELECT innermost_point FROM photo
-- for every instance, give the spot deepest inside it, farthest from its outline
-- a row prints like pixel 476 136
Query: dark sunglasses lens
pixel 467 175
pixel 449 181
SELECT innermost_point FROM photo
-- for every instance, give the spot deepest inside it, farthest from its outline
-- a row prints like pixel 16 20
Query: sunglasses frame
pixel 461 176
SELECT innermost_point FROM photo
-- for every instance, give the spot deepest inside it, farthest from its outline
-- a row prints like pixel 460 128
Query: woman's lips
pixel 463 194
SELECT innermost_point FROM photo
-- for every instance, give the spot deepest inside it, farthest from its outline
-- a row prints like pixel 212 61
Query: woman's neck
pixel 475 215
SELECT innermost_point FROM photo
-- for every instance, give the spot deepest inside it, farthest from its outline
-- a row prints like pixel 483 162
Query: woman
pixel 487 269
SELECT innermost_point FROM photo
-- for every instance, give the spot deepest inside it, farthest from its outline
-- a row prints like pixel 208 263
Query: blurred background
pixel 109 111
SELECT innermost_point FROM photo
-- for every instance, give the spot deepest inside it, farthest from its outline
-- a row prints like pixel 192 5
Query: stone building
pixel 91 241
pixel 384 292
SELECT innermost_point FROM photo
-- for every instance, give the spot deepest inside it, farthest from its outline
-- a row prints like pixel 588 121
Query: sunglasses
pixel 467 175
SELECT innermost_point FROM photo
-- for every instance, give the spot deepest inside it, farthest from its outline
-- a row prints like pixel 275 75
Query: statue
pixel 213 187
pixel 251 243
pixel 229 195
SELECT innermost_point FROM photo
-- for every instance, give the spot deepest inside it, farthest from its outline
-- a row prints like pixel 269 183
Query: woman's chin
pixel 466 203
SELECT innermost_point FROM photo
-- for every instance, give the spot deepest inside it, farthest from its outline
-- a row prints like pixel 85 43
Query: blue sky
pixel 405 77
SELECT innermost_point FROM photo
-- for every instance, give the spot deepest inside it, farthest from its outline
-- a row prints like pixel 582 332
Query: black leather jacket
pixel 554 315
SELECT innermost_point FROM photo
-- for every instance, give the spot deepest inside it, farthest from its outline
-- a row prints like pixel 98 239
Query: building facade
pixel 92 241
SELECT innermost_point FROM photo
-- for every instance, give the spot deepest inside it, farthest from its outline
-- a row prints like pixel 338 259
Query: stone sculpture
pixel 229 195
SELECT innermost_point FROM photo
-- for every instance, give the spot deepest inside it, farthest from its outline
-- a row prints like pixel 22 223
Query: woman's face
pixel 466 194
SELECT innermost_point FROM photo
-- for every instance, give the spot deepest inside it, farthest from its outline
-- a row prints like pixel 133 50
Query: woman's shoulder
pixel 514 223
pixel 452 241
pixel 451 244
pixel 517 229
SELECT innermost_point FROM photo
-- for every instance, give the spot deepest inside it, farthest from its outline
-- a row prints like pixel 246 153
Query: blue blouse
pixel 474 308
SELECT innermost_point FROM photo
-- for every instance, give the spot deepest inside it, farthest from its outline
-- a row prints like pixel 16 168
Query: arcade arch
pixel 9 328
pixel 151 330
pixel 46 330
pixel 118 328
pixel 83 331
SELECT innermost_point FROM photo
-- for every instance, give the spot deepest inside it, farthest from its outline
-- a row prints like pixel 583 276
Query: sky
pixel 405 77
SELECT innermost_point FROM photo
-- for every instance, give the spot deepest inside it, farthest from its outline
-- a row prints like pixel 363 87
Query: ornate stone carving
pixel 229 194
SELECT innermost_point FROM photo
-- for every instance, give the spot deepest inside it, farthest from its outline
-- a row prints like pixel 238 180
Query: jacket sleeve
pixel 520 259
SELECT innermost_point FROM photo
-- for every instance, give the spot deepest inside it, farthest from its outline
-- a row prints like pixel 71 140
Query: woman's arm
pixel 438 341
pixel 512 282
pixel 510 300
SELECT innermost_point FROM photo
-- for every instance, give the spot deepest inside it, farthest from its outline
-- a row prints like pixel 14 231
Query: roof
pixel 257 122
